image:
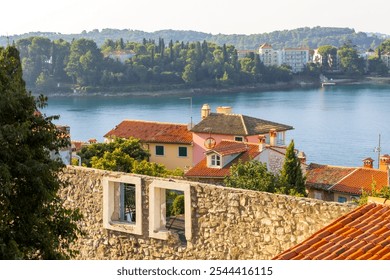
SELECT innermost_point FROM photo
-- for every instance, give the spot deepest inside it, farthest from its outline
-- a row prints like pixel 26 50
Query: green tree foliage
pixel 85 62
pixel 291 179
pixel 384 47
pixel 178 205
pixel 311 37
pixel 376 66
pixel 350 62
pixel 382 193
pixel 33 222
pixel 124 155
pixel 131 147
pixel 329 57
pixel 251 175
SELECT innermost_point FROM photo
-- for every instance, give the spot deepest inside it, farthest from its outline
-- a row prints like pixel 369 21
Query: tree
pixel 350 62
pixel 85 61
pixel 131 147
pixel 291 180
pixel 251 175
pixel 328 54
pixel 384 192
pixel 124 155
pixel 33 222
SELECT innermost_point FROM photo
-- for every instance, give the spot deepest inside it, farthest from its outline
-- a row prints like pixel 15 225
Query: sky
pixel 210 16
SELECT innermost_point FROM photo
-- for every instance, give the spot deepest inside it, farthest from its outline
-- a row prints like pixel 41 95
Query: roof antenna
pixel 378 149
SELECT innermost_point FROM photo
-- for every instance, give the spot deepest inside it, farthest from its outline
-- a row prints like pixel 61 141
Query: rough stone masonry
pixel 227 224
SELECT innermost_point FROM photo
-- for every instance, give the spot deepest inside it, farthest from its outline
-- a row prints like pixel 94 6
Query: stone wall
pixel 226 223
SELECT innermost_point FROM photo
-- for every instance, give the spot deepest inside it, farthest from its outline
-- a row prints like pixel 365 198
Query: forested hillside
pixel 311 37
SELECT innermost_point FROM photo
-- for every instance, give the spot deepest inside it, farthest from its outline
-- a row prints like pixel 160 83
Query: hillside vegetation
pixel 310 37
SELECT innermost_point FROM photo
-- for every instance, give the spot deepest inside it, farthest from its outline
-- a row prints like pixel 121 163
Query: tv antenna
pixel 378 149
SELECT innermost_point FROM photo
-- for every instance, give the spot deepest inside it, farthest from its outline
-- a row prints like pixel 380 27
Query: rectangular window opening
pixel 182 151
pixel 175 218
pixel 342 199
pixel 159 150
pixel 170 211
pixel 127 203
pixel 122 204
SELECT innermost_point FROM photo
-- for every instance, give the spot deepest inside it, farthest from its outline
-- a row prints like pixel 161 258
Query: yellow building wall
pixel 171 158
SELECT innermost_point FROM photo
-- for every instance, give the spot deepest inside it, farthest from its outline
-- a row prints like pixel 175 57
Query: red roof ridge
pixel 156 122
pixel 346 176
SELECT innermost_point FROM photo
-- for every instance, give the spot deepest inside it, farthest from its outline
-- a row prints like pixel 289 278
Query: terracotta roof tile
pixel 152 132
pixel 325 176
pixel 230 147
pixel 375 249
pixel 385 257
pixel 360 179
pixel 367 256
pixel 360 235
pixel 202 170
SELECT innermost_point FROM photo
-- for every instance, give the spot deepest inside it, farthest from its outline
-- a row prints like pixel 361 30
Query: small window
pixel 127 210
pixel 122 206
pixel 317 195
pixel 159 150
pixel 162 225
pixel 239 138
pixel 342 199
pixel 182 151
pixel 215 160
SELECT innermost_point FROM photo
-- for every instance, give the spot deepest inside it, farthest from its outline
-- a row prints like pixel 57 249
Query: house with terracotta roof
pixel 224 125
pixel 169 144
pixel 345 184
pixel 363 234
pixel 215 166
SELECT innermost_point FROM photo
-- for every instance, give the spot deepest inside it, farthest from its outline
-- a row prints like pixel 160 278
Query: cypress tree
pixel 33 222
pixel 291 178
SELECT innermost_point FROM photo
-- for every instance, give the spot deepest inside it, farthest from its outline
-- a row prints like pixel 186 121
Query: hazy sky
pixel 210 16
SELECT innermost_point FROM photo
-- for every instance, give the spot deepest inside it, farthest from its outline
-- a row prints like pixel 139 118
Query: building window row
pixel 160 151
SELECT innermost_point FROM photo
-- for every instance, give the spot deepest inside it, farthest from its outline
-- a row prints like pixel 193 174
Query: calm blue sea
pixel 336 125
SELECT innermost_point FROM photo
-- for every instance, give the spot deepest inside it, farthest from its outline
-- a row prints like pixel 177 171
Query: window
pixel 182 151
pixel 158 225
pixel 127 203
pixel 215 160
pixel 122 207
pixel 317 195
pixel 159 150
pixel 342 199
pixel 239 138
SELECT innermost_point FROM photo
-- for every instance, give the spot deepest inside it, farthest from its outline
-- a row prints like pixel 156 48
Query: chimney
pixel 302 157
pixel 384 162
pixel 368 163
pixel 272 137
pixel 262 144
pixel 224 110
pixel 205 111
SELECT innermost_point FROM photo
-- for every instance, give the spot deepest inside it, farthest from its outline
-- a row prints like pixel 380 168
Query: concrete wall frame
pixel 111 198
pixel 157 208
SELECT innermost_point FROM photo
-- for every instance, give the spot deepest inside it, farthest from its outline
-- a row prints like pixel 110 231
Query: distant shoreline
pixel 117 92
